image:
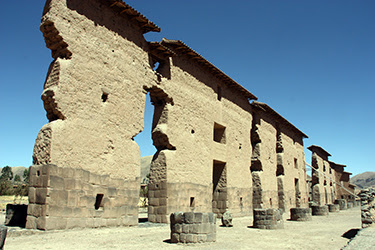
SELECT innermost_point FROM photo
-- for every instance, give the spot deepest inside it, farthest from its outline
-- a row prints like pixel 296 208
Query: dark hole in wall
pixel 279 170
pixel 99 201
pixel 219 93
pixel 192 202
pixel 104 97
pixel 256 165
pixel 16 215
pixel 219 133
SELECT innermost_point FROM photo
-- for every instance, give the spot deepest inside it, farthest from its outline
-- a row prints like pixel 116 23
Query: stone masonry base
pixel 62 198
pixel 193 227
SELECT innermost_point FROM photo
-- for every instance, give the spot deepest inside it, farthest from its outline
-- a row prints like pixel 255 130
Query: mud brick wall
pixel 62 198
pixel 278 170
pixel 192 227
pixel 323 187
pixel 267 219
pixel 239 201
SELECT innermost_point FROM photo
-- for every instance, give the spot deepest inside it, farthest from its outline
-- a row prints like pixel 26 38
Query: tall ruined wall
pixel 278 163
pixel 94 92
pixel 295 186
pixel 92 87
pixel 266 154
pixel 323 188
pixel 191 161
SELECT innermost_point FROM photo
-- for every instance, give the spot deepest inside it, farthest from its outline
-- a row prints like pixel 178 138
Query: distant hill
pixel 17 170
pixel 364 180
pixel 145 168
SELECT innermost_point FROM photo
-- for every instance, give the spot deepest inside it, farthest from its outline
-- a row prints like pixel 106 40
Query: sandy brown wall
pixel 190 129
pixel 294 166
pixel 323 187
pixel 104 54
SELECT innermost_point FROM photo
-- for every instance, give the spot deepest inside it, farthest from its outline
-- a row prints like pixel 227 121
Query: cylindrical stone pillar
pixel 350 204
pixel 342 204
pixel 334 208
pixel 267 219
pixel 300 214
pixel 319 210
pixel 193 227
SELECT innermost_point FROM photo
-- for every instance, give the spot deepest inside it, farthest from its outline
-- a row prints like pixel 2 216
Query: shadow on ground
pixel 351 233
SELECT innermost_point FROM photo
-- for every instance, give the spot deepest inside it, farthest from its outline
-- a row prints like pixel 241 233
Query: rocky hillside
pixel 19 171
pixel 364 180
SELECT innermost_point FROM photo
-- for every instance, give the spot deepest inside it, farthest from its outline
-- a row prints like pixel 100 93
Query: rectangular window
pixel 219 133
pixel 192 202
pixel 295 163
pixel 99 202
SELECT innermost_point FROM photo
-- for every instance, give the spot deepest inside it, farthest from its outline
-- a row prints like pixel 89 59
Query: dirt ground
pixel 323 232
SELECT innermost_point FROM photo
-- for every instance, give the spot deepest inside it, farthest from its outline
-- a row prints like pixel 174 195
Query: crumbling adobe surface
pixel 215 150
pixel 94 96
pixel 278 169
pixel 323 178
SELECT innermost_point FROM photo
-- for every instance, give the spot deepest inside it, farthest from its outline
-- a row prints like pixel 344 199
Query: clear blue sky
pixel 312 61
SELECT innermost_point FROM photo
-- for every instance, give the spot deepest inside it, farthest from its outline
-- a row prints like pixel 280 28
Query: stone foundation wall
pixel 239 201
pixel 192 227
pixel 62 198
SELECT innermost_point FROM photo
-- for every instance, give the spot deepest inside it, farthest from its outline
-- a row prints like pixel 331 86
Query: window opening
pixel 104 97
pixel 219 133
pixel 99 202
pixel 192 202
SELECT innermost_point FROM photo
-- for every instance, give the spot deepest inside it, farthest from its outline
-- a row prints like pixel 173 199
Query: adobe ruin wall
pixel 203 128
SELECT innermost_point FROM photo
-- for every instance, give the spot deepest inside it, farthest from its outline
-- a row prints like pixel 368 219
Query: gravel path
pixel 323 232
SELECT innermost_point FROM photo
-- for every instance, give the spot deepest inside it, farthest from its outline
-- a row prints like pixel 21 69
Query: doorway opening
pixel 145 143
pixel 219 191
